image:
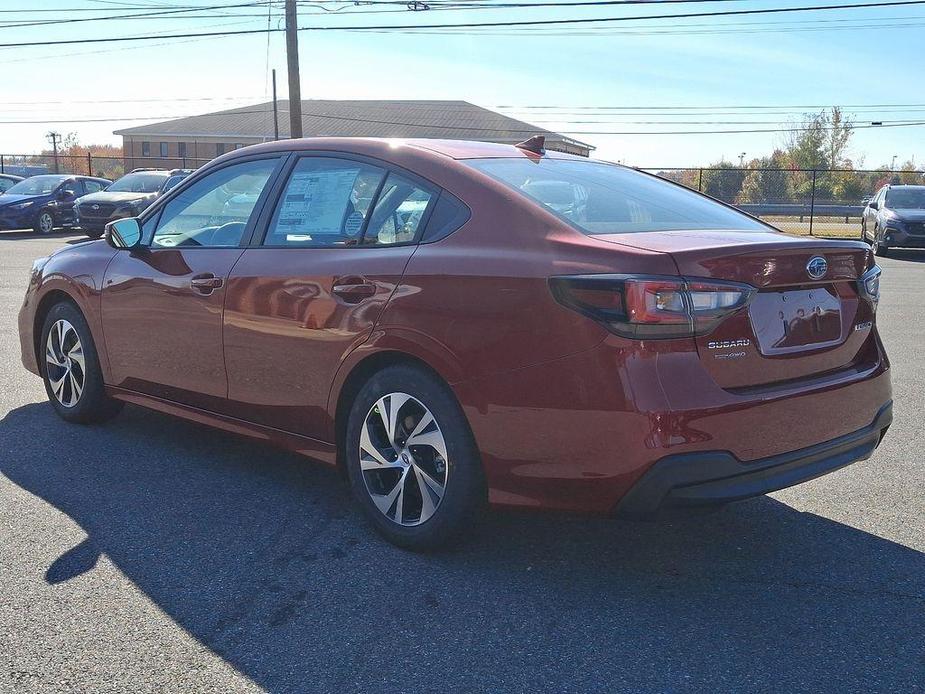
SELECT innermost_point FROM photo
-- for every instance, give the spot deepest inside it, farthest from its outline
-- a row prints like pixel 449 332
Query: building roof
pixel 357 118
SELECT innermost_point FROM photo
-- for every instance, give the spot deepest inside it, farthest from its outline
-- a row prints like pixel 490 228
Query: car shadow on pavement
pixel 260 556
pixel 909 256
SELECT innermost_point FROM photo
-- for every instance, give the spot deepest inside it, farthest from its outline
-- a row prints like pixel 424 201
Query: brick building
pixel 191 141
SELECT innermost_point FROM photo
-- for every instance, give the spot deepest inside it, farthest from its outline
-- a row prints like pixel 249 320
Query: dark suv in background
pixel 45 202
pixel 127 197
pixel 895 218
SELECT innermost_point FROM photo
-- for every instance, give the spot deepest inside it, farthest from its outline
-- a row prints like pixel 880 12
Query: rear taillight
pixel 651 307
pixel 869 285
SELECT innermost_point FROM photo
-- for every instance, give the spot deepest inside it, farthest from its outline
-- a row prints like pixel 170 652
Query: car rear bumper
pixel 713 477
pixel 579 433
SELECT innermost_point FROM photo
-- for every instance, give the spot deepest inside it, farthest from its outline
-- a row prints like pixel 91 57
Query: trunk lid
pixel 796 326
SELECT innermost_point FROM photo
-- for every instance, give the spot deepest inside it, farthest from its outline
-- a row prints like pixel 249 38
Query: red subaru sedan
pixel 455 323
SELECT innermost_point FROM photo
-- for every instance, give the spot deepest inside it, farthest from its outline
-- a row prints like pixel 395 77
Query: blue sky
pixel 804 62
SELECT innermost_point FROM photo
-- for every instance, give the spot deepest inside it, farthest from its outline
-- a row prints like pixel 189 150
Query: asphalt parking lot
pixel 155 555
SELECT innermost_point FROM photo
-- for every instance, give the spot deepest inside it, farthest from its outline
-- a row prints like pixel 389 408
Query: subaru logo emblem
pixel 817 267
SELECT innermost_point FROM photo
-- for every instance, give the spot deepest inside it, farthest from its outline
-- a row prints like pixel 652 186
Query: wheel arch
pixel 358 373
pixel 48 301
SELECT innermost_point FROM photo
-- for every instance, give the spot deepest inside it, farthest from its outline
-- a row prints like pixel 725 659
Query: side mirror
pixel 124 233
pixel 65 194
pixel 874 205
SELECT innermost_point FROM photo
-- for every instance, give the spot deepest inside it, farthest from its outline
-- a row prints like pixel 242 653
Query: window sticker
pixel 315 203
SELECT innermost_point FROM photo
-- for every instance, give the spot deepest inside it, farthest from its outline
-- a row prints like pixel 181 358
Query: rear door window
pixel 326 203
pixel 400 210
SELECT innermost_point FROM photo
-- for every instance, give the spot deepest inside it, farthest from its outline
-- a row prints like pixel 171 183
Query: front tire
pixel 44 223
pixel 881 250
pixel 71 368
pixel 411 459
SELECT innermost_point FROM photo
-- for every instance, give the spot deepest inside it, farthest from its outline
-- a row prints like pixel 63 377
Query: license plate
pixel 795 320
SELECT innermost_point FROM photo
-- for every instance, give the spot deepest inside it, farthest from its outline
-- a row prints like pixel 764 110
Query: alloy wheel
pixel 46 223
pixel 403 459
pixel 64 363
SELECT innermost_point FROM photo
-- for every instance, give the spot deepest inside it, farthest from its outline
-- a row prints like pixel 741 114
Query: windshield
pixel 906 198
pixel 37 185
pixel 603 198
pixel 138 183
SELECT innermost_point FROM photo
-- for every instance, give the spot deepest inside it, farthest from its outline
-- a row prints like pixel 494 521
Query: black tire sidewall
pixel 465 492
pixel 94 405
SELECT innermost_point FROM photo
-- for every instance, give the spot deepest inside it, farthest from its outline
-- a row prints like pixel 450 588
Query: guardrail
pixel 790 209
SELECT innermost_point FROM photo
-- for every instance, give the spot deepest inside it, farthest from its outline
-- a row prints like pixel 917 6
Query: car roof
pixel 11 176
pixel 454 149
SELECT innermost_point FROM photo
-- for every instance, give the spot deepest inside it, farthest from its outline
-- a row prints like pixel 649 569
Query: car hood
pixel 114 196
pixel 12 199
pixel 903 215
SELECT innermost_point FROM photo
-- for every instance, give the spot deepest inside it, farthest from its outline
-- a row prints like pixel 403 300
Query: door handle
pixel 206 283
pixel 354 289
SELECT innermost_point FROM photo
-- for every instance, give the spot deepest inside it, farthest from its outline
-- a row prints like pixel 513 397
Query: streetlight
pixel 893 163
pixel 742 160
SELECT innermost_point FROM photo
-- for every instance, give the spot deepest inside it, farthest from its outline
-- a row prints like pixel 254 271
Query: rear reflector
pixel 646 307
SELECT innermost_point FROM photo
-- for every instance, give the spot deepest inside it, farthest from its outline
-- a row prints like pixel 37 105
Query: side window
pixel 215 210
pixel 398 213
pixel 325 203
pixel 74 186
pixel 4 184
pixel 449 214
pixel 92 186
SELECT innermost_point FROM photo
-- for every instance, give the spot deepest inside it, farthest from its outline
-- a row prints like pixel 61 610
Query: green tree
pixel 767 181
pixel 723 180
pixel 820 140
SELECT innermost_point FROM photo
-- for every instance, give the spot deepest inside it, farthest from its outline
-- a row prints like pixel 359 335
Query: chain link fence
pixel 89 164
pixel 820 202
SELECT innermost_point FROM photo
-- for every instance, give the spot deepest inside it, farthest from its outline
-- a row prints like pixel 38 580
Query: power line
pixel 510 131
pixel 471 25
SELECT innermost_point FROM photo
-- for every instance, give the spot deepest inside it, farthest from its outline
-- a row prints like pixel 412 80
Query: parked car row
pixel 49 201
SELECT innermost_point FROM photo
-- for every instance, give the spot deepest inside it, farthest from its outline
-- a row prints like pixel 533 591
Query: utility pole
pixel 292 61
pixel 275 109
pixel 54 138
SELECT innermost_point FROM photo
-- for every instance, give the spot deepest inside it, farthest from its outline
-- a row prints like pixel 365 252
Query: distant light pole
pixel 742 160
pixel 893 163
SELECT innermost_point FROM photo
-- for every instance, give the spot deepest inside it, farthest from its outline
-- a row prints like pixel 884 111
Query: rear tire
pixel 71 368
pixel 411 459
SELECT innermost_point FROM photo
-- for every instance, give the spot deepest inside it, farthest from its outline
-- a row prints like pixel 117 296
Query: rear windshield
pixel 601 198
